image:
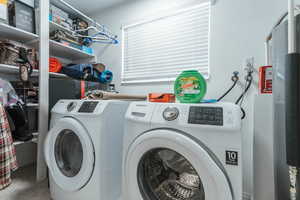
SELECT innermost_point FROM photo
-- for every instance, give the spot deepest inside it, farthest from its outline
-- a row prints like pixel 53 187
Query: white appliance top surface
pixel 216 116
pixel 83 107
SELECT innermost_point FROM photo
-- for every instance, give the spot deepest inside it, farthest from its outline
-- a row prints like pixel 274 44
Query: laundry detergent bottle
pixel 190 87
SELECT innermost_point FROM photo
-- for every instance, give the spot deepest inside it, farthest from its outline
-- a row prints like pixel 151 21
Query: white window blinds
pixel 160 49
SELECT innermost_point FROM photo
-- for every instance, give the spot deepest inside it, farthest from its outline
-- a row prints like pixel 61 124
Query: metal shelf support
pixel 44 88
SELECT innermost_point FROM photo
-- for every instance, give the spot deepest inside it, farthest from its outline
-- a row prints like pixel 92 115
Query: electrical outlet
pixel 249 64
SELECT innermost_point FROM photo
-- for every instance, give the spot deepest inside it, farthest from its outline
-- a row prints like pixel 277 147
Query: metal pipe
pixel 292 29
pixel 267 54
pixel 292 68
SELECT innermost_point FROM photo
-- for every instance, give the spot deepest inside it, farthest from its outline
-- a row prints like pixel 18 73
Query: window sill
pixel 155 81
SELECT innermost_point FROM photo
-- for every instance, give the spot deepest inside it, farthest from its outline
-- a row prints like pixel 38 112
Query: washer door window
pixel 69 154
pixel 165 174
pixel 168 165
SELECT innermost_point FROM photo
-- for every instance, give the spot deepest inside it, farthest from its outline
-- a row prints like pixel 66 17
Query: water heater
pixel 286 91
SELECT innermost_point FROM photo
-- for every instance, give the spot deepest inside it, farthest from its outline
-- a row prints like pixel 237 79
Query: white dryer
pixel 83 149
pixel 182 152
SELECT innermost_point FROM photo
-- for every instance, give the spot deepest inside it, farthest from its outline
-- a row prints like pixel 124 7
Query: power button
pixel 71 106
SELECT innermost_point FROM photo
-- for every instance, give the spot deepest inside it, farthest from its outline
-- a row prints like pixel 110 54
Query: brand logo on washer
pixel 232 158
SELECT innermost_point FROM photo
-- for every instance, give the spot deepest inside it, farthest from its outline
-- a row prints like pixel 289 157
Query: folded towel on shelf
pixel 8 161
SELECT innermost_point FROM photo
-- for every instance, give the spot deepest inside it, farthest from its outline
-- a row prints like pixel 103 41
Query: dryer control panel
pixel 206 115
pixel 88 107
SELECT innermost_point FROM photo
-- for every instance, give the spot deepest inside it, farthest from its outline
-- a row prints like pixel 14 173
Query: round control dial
pixel 71 106
pixel 170 113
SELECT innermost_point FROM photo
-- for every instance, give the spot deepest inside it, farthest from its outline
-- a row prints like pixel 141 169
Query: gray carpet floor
pixel 24 186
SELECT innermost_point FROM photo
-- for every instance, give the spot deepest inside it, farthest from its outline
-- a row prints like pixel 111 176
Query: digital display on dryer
pixel 88 107
pixel 206 115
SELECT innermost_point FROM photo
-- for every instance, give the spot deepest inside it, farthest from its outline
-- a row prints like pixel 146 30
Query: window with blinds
pixel 160 49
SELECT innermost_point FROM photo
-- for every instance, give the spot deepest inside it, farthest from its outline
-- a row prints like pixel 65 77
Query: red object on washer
pixel 54 65
pixel 162 97
pixel 265 79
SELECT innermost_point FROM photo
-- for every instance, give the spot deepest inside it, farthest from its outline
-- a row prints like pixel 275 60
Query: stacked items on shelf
pixel 12 55
pixel 60 17
pixel 72 31
pixel 22 15
pixel 16 54
pixel 67 36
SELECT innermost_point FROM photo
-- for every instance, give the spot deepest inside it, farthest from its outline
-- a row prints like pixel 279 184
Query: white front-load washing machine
pixel 182 152
pixel 83 149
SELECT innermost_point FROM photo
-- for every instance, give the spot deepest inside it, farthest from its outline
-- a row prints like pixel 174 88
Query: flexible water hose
pixel 235 79
pixel 227 92
pixel 244 93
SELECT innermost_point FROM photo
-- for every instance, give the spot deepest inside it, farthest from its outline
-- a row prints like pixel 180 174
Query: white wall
pixel 238 31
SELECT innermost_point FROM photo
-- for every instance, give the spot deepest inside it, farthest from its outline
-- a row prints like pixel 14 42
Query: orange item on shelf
pixel 162 97
pixel 54 65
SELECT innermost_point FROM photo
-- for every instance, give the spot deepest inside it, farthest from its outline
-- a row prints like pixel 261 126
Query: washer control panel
pixel 206 115
pixel 88 107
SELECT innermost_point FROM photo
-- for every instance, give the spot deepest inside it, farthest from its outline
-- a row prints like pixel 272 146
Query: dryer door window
pixel 165 174
pixel 169 165
pixel 68 153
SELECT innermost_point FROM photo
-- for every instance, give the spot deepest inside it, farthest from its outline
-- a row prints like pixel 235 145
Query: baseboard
pixel 247 196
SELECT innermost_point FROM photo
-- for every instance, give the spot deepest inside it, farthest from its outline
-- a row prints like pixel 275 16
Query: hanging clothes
pixel 8 95
pixel 8 161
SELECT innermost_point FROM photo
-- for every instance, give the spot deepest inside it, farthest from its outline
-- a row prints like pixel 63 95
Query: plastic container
pixel 190 87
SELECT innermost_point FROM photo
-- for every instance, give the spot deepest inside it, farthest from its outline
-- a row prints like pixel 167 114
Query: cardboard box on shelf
pixel 59 12
pixel 3 11
pixel 22 16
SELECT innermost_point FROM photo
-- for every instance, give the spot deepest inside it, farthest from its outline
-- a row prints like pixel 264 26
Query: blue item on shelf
pixel 106 76
pixel 78 71
pixel 76 46
pixel 88 73
pixel 88 50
